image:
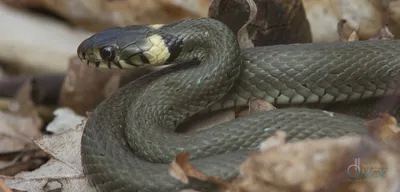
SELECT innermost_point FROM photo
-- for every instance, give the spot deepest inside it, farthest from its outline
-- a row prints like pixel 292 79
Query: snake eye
pixel 107 53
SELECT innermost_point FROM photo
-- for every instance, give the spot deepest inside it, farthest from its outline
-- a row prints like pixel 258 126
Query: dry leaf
pixel 19 127
pixel 64 149
pixel 17 132
pixel 64 118
pixel 24 104
pixel 181 169
pixel 275 21
pixel 21 164
pixel 257 105
pixel 353 36
pixel 340 30
pixel 243 34
pixel 326 164
pixel 342 37
pixel 394 17
pixel 365 16
pixel 84 86
pixel 383 34
pixel 3 187
pixel 384 128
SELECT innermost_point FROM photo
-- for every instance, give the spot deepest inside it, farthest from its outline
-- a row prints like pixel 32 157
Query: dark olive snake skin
pixel 129 139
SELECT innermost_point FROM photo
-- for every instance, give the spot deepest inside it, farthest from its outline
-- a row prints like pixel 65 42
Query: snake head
pixel 129 47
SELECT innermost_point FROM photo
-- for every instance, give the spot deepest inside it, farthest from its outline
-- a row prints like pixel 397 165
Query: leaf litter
pixel 18 125
pixel 64 167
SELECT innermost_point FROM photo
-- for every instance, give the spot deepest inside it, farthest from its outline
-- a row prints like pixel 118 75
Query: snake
pixel 130 138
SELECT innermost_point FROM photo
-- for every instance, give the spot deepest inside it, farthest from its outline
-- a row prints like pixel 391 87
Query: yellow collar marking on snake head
pixel 158 53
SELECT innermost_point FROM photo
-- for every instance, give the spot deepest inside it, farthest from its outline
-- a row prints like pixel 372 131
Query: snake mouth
pixel 103 64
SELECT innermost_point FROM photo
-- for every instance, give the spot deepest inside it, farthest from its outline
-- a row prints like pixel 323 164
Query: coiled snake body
pixel 129 139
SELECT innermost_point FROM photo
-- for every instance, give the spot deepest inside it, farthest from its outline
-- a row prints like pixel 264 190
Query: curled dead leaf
pixel 353 36
pixel 255 106
pixel 385 129
pixel 342 37
pixel 176 168
pixel 181 169
pixel 263 22
pixel 383 34
pixel 258 105
pixel 340 30
pixel 243 34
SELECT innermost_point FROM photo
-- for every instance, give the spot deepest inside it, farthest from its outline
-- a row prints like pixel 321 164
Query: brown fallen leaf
pixel 3 187
pixel 254 106
pixel 181 169
pixel 385 129
pixel 353 36
pixel 325 165
pixel 340 30
pixel 16 132
pixel 24 105
pixel 394 17
pixel 274 22
pixel 18 127
pixel 21 166
pixel 84 86
pixel 383 34
pixel 243 33
pixel 365 16
pixel 258 105
pixel 64 149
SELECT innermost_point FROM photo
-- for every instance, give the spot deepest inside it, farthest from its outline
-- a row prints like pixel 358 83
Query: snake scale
pixel 129 139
